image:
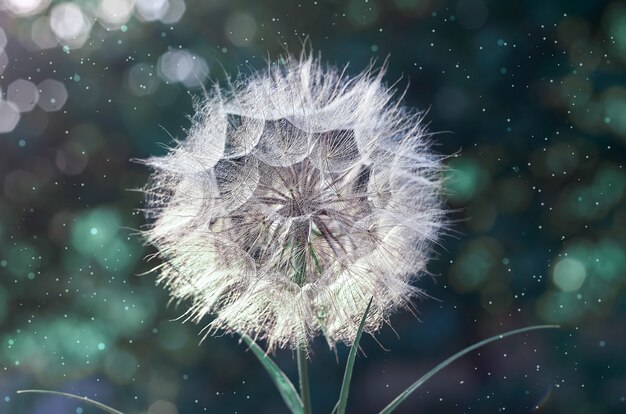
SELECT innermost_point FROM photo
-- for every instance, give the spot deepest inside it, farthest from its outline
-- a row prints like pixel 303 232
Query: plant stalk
pixel 299 263
pixel 303 376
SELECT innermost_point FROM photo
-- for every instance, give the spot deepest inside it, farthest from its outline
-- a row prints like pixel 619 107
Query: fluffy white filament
pixel 298 195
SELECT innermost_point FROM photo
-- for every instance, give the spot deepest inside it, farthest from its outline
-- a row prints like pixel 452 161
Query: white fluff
pixel 298 195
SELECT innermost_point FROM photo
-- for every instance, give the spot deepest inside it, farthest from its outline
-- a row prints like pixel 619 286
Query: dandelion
pixel 299 194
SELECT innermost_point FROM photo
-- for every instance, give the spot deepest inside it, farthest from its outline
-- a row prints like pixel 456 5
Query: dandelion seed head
pixel 299 194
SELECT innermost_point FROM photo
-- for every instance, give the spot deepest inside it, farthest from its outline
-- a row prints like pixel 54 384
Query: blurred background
pixel 528 98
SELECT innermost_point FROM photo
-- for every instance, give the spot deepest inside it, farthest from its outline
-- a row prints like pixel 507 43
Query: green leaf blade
pixel 403 396
pixel 285 387
pixel 86 400
pixel 347 376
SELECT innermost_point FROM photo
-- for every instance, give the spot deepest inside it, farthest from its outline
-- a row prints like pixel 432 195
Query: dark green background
pixel 530 104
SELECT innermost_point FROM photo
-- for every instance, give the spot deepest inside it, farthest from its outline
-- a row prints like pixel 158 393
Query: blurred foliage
pixel 528 99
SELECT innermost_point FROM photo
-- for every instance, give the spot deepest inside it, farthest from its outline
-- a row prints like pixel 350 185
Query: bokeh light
pixel 240 28
pixel 52 95
pixel 4 61
pixel 24 8
pixel 9 116
pixel 23 94
pixel 112 14
pixel 3 39
pixel 183 66
pixel 174 12
pixel 151 10
pixel 69 24
pixel 569 274
pixel 42 34
pixel 142 79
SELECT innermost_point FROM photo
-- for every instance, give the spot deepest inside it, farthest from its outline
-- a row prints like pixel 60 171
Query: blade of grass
pixel 282 382
pixel 400 398
pixel 86 400
pixel 347 376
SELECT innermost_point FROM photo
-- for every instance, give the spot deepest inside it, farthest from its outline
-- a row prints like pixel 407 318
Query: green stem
pixel 303 376
pixel 299 262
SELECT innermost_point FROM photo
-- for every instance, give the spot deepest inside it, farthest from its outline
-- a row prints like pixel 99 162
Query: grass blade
pixel 86 400
pixel 282 382
pixel 400 398
pixel 347 376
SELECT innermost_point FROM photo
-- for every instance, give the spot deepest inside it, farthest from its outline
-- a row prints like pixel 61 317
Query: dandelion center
pixel 306 213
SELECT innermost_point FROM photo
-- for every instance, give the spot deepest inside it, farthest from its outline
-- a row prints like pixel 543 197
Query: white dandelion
pixel 299 194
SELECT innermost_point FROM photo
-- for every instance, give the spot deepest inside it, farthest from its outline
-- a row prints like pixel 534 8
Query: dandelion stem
pixel 299 257
pixel 303 376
